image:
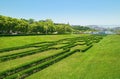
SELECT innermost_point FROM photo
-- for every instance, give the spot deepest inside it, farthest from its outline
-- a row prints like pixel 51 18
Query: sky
pixel 74 12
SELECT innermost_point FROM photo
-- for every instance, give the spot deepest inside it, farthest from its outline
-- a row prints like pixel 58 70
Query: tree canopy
pixel 9 25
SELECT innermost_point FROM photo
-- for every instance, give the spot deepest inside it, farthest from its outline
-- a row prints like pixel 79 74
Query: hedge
pixel 25 66
pixel 39 67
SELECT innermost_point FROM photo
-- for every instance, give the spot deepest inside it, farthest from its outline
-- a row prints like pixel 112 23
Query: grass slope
pixel 19 61
pixel 13 41
pixel 100 62
pixel 17 51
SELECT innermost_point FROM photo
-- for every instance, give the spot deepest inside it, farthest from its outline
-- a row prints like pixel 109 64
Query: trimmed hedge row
pixel 71 43
pixel 67 39
pixel 58 47
pixel 22 54
pixel 20 47
pixel 31 64
pixel 5 73
pixel 30 45
pixel 30 68
pixel 44 47
pixel 92 39
pixel 25 73
pixel 83 50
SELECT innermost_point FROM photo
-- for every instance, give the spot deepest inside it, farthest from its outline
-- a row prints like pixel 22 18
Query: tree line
pixel 9 25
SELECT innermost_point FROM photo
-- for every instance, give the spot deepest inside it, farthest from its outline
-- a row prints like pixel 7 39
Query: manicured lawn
pixel 17 51
pixel 14 41
pixel 19 61
pixel 102 61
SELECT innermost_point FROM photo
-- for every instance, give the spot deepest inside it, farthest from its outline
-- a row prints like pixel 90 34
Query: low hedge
pixel 25 66
pixel 30 68
pixel 25 73
pixel 20 47
pixel 83 50
pixel 22 54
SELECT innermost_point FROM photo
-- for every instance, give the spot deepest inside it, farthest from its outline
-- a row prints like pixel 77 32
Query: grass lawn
pixel 102 61
pixel 13 41
pixel 17 51
pixel 19 61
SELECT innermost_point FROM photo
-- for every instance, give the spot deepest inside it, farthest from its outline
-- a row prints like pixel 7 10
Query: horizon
pixel 74 12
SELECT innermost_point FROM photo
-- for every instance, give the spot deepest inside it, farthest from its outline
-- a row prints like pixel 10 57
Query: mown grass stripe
pixel 32 65
pixel 25 66
pixel 25 73
pixel 17 51
pixel 22 54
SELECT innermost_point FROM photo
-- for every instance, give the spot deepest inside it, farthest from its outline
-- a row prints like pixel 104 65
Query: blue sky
pixel 82 12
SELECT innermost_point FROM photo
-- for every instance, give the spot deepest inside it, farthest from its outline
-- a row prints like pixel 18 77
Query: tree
pixel 63 28
pixel 9 25
pixel 30 21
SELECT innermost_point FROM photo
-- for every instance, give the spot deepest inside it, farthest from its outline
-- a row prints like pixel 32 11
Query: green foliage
pixel 99 62
pixel 77 29
pixel 45 54
pixel 81 28
pixel 63 28
pixel 9 25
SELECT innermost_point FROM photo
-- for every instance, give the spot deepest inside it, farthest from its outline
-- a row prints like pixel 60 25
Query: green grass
pixel 80 43
pixel 79 47
pixel 19 61
pixel 100 62
pixel 58 45
pixel 39 45
pixel 17 51
pixel 32 69
pixel 13 41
